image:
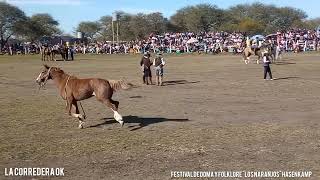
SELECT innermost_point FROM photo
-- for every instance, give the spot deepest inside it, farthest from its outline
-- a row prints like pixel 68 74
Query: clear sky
pixel 70 12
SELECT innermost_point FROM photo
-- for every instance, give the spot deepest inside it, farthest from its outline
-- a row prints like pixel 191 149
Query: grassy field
pixel 214 114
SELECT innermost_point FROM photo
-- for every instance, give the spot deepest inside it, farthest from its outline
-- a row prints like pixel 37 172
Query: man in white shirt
pixel 266 65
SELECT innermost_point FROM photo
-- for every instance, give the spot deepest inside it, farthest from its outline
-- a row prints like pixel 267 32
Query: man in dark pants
pixel 71 52
pixel 266 65
pixel 145 64
pixel 66 50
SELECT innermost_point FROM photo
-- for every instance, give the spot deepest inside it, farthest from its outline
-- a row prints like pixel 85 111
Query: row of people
pixel 214 42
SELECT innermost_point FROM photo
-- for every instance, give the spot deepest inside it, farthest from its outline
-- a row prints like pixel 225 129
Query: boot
pixel 143 80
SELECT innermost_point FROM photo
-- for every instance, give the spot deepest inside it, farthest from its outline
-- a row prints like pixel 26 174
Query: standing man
pixel 266 65
pixel 145 64
pixel 71 49
pixel 158 63
pixel 66 51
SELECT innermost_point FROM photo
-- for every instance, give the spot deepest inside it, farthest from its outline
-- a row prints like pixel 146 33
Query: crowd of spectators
pixel 298 40
pixel 211 42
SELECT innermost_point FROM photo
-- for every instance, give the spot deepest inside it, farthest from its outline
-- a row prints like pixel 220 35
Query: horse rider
pixel 248 42
pixel 255 44
pixel 158 63
pixel 249 45
pixel 145 64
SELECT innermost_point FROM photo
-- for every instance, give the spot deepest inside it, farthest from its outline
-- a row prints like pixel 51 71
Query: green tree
pixel 37 26
pixel 139 26
pixel 312 23
pixel 156 23
pixel 105 28
pixel 269 16
pixel 250 26
pixel 10 18
pixel 202 17
pixel 125 30
pixel 89 28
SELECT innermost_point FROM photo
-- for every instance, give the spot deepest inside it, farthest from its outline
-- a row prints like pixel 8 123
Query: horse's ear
pixel 46 66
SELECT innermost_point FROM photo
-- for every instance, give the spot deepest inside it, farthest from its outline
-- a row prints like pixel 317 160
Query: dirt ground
pixel 214 114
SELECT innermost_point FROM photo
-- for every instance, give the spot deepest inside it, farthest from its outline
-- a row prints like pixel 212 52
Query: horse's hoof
pixel 121 123
pixel 80 126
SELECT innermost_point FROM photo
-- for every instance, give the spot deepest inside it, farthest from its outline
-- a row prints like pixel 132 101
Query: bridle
pixel 42 85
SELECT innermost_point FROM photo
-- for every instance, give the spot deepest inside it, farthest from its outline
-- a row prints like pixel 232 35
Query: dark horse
pixel 73 90
pixel 61 51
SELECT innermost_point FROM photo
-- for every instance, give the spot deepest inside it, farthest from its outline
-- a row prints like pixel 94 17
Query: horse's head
pixel 46 74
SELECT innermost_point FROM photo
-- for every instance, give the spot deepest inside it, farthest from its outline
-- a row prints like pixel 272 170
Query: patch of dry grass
pixel 215 114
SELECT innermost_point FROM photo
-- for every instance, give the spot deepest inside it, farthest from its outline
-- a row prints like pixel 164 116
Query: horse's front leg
pixel 78 115
pixel 70 102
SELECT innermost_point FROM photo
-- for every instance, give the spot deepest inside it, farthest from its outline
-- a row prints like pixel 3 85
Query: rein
pixel 65 86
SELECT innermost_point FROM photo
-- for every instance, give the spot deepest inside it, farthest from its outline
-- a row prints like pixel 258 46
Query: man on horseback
pixel 255 49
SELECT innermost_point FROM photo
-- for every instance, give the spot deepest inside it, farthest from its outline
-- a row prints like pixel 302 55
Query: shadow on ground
pixel 175 82
pixel 283 63
pixel 283 78
pixel 136 122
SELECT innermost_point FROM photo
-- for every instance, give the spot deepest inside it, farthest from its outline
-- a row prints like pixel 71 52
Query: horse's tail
pixel 120 84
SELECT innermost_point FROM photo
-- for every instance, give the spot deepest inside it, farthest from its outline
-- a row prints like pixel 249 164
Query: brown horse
pixel 73 90
pixel 60 51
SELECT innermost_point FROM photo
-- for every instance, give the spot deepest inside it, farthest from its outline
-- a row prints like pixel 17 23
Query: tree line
pixel 255 18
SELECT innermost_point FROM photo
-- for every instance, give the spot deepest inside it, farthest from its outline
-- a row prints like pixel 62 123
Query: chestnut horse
pixel 73 90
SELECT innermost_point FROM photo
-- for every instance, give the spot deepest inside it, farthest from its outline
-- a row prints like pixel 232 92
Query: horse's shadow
pixel 283 63
pixel 175 82
pixel 136 122
pixel 292 77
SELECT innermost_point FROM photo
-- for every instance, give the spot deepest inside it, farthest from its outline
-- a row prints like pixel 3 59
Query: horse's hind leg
pixel 113 105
